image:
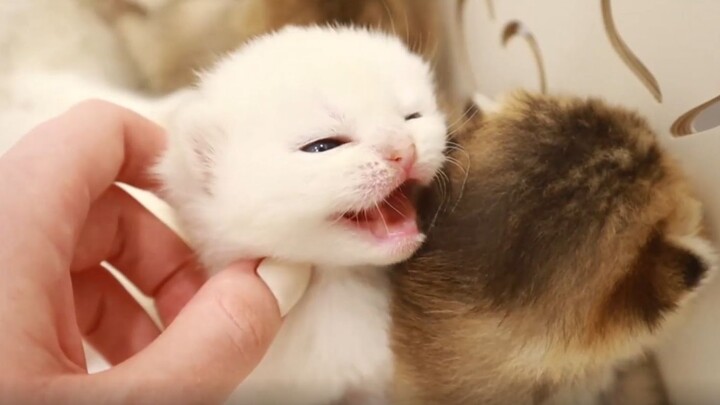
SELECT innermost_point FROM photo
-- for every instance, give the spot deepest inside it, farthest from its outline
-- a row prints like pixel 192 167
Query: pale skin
pixel 60 216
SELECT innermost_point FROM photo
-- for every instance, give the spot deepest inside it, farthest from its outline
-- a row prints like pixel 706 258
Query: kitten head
pixel 306 145
pixel 608 230
pixel 575 241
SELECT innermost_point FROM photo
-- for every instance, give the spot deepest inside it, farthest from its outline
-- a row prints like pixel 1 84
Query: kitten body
pixel 301 147
pixel 569 243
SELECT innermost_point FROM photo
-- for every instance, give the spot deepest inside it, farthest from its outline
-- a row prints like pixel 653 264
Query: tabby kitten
pixel 569 242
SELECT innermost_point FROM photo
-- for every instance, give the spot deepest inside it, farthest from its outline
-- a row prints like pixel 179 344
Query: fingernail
pixel 286 281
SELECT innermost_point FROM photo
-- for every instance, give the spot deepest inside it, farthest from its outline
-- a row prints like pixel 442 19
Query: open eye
pixel 413 116
pixel 323 145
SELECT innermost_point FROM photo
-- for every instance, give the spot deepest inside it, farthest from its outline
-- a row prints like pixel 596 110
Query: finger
pixel 110 319
pixel 50 177
pixel 47 183
pixel 239 318
pixel 121 231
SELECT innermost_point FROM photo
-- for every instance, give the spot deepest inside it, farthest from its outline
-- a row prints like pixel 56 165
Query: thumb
pixel 212 345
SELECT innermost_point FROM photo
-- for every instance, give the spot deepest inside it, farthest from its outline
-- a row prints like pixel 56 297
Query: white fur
pixel 251 115
pixel 55 53
pixel 243 188
pixel 61 35
pixel 30 97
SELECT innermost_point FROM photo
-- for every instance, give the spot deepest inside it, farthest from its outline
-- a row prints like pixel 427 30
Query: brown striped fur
pixel 171 43
pixel 566 238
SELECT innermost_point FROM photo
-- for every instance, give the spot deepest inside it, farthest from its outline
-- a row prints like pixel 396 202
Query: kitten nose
pixel 403 157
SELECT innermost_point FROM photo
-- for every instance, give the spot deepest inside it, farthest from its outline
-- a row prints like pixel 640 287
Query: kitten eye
pixel 413 116
pixel 323 145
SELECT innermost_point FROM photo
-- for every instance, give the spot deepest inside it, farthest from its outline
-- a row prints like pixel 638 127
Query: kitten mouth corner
pixel 391 219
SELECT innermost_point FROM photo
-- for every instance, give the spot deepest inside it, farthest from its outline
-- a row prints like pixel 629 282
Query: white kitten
pixel 303 146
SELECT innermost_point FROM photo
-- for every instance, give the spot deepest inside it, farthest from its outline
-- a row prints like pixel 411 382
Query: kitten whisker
pixel 445 183
pixel 461 125
pixel 340 217
pixel 459 149
pixel 395 209
pixel 455 162
pixel 383 219
pixel 441 186
pixel 407 26
pixel 462 189
pixel 460 119
pixel 390 16
pixel 417 46
pixel 464 169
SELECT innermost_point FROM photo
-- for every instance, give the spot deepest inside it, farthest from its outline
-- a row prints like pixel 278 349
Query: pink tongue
pixel 394 218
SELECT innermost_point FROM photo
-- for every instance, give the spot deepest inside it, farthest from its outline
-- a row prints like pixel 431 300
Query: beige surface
pixel 678 43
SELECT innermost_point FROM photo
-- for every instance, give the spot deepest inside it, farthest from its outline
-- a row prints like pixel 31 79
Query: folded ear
pixel 194 138
pixel 485 104
pixel 662 274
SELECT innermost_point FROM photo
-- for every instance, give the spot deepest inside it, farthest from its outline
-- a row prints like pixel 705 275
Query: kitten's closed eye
pixel 323 145
pixel 413 116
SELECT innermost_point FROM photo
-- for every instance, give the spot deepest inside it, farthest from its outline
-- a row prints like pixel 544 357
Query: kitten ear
pixel 191 157
pixel 662 275
pixel 485 104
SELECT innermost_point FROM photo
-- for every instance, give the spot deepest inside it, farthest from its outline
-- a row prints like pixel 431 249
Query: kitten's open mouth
pixel 392 218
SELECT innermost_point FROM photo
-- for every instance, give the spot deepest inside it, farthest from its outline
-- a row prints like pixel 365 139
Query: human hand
pixel 60 216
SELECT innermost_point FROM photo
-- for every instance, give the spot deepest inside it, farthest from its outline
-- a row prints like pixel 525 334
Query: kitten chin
pixel 575 242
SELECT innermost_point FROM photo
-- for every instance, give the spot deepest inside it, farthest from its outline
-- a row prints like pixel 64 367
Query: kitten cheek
pixel 426 171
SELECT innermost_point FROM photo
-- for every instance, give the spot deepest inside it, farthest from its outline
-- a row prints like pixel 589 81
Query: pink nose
pixel 404 158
